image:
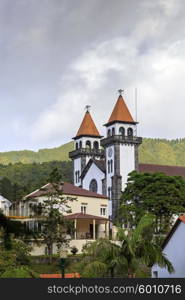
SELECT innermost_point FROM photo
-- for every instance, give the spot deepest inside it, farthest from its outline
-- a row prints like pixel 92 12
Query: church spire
pixel 120 112
pixel 87 127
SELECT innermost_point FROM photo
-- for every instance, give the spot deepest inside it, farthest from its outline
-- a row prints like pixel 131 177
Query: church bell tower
pixel 87 146
pixel 121 151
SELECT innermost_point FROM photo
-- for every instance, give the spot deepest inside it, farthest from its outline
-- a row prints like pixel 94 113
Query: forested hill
pixel 43 155
pixel 154 151
pixel 162 151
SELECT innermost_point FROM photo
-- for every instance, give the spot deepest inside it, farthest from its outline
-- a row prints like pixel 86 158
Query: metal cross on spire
pixel 120 91
pixel 87 107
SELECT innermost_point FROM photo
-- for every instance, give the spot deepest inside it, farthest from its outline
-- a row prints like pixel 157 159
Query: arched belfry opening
pixel 96 145
pixel 130 132
pixel 88 145
pixel 122 131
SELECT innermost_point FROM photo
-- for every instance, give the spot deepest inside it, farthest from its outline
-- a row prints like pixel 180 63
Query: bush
pixel 20 272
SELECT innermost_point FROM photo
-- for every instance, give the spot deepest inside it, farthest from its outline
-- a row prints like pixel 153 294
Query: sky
pixel 57 56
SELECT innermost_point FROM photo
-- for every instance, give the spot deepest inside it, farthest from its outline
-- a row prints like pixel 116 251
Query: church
pixel 100 170
pixel 102 164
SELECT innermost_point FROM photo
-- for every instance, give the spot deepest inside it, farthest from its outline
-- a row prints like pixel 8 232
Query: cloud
pixel 158 74
pixel 125 48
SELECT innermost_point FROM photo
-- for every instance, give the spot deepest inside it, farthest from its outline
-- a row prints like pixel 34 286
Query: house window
pixel 113 131
pixel 109 133
pixel 83 209
pixel 93 187
pixel 103 211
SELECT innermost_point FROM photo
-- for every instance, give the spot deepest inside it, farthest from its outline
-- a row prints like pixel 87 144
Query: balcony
pixel 121 139
pixel 87 151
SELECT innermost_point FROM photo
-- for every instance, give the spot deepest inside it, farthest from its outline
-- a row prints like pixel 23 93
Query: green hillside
pixel 162 151
pixel 154 151
pixel 42 155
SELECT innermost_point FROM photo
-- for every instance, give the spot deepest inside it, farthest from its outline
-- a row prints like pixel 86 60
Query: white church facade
pixel 102 164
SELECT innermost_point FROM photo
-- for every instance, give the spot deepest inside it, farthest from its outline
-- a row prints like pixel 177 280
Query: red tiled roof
pixel 68 275
pixel 88 127
pixel 84 216
pixel 120 112
pixel 182 218
pixel 168 170
pixel 68 189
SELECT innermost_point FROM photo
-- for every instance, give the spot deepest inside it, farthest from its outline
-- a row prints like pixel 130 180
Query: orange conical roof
pixel 87 127
pixel 120 112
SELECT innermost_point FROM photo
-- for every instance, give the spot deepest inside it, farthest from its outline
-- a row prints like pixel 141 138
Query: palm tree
pixel 135 247
pixel 138 246
pixel 103 257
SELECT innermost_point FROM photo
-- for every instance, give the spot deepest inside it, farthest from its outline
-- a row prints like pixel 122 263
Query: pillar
pixel 75 225
pixel 107 229
pixel 94 229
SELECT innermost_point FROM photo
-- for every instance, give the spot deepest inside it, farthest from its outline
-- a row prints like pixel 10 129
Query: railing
pixel 122 139
pixel 89 151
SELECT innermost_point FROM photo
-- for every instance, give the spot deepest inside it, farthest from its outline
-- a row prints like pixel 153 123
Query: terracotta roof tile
pixel 120 112
pixel 88 127
pixel 182 218
pixel 168 170
pixel 68 189
pixel 84 216
pixel 68 275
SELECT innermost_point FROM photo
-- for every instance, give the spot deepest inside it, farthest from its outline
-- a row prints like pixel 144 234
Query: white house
pixel 5 205
pixel 173 248
pixel 89 214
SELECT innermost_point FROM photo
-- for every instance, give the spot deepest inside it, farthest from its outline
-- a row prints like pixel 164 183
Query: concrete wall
pixel 175 252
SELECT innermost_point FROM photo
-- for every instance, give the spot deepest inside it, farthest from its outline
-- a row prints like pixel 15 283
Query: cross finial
pixel 120 91
pixel 87 107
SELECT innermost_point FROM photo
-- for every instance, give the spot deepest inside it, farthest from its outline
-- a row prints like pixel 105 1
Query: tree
pixel 103 258
pixel 54 225
pixel 11 228
pixel 157 193
pixel 137 247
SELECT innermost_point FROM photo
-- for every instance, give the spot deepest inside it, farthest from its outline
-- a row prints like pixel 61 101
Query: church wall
pixel 77 167
pixel 127 162
pixel 109 175
pixel 94 173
